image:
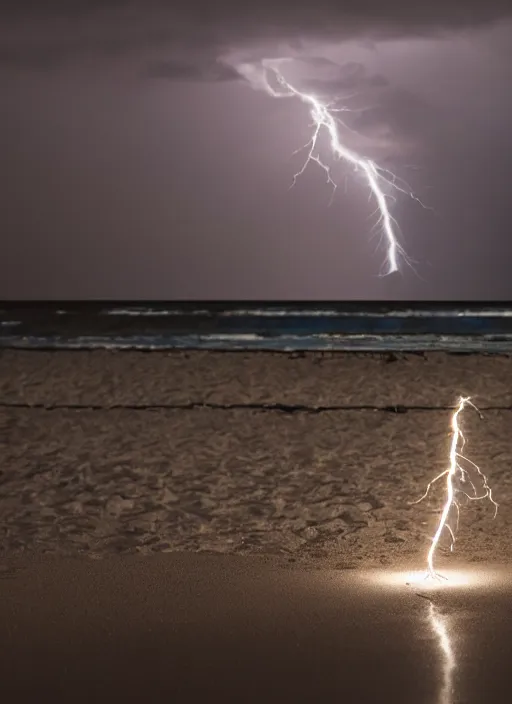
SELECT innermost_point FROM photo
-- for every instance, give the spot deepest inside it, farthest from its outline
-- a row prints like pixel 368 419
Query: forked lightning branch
pixel 383 186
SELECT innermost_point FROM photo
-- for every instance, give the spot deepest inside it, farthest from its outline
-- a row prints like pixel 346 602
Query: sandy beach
pixel 303 457
pixel 177 526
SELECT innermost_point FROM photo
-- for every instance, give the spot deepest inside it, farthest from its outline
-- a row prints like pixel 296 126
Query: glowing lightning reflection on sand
pixel 439 627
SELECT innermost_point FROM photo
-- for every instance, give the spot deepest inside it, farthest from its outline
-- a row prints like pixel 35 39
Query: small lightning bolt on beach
pixel 464 482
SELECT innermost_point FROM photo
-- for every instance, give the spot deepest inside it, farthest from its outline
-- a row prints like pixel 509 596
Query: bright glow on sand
pixel 447 579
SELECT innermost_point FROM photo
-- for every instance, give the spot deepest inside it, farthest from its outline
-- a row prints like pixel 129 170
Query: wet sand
pixel 186 628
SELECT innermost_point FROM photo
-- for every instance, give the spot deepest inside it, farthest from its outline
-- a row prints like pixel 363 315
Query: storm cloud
pixel 44 34
pixel 343 78
pixel 182 71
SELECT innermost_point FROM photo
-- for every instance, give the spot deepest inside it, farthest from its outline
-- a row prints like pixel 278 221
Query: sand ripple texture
pixel 94 462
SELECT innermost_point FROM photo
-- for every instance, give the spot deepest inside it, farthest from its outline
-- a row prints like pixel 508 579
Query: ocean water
pixel 350 326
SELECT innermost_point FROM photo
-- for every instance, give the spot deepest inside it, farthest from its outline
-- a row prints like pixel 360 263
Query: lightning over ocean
pixel 383 186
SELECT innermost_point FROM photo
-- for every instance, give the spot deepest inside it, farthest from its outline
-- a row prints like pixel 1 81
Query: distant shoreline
pixel 281 326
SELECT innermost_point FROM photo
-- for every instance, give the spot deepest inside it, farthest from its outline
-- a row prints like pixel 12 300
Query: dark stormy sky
pixel 137 163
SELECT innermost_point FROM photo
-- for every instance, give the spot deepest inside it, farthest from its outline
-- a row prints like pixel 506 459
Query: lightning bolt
pixel 382 184
pixel 459 481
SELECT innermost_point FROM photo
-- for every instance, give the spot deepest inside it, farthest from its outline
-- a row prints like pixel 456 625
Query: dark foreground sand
pixel 177 628
pixel 301 457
